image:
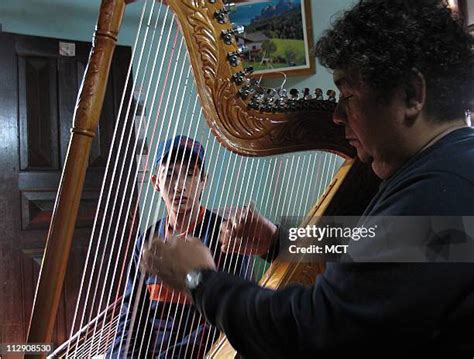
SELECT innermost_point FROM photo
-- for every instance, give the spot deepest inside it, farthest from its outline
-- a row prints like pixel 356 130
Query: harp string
pixel 217 248
pixel 200 234
pixel 146 132
pixel 170 155
pixel 240 193
pixel 188 311
pixel 126 185
pixel 154 131
pixel 176 309
pixel 163 308
pixel 276 187
pixel 299 189
pixel 240 196
pixel 313 160
pixel 179 295
pixel 107 171
pixel 201 228
pixel 331 169
pixel 119 181
pixel 235 266
pixel 141 151
pixel 211 245
pixel 176 127
pixel 172 329
pixel 168 316
pixel 251 196
pixel 272 211
pixel 230 158
pixel 228 257
pixel 132 323
pixel 264 195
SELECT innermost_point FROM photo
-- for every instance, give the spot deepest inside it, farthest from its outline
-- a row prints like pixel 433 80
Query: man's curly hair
pixel 385 42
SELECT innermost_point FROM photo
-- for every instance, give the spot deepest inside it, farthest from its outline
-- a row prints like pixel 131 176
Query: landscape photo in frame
pixel 278 35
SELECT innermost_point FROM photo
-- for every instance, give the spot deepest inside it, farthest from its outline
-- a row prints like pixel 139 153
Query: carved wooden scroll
pixel 236 126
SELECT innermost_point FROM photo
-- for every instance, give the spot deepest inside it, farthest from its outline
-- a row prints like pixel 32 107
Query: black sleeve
pixel 355 307
pixel 274 249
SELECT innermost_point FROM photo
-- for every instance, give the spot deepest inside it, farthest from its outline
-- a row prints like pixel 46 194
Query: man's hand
pixel 247 232
pixel 173 259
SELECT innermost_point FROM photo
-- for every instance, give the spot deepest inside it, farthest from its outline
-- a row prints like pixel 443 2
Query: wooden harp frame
pixel 243 130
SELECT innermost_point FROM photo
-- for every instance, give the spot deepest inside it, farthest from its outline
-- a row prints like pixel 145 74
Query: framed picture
pixel 465 9
pixel 278 35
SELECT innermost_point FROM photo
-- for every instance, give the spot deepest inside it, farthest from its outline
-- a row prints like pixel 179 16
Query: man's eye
pixel 345 98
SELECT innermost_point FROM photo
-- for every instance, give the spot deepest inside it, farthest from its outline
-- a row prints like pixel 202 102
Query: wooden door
pixel 39 82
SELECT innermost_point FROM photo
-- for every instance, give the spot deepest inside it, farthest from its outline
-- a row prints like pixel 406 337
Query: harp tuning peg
pixel 230 7
pixel 318 94
pixel 271 93
pixel 282 92
pixel 294 93
pixel 242 50
pixel 228 35
pixel 234 57
pixel 248 70
pixel 222 14
pixel 254 105
pixel 239 77
pixel 331 95
pixel 254 82
pixel 244 92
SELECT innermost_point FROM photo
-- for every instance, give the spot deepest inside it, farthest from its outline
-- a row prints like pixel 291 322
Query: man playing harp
pixel 405 72
pixel 155 321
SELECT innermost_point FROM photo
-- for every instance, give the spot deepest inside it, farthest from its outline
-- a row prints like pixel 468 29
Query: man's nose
pixel 339 117
pixel 179 184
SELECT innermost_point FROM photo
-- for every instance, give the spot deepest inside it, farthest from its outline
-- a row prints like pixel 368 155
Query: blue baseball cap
pixel 183 143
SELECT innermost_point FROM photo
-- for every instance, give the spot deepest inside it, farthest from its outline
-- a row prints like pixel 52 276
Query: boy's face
pixel 180 185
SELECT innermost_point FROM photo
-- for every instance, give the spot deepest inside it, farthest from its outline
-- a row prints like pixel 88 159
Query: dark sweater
pixel 367 309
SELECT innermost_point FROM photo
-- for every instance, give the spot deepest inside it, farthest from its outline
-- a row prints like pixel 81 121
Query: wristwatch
pixel 195 278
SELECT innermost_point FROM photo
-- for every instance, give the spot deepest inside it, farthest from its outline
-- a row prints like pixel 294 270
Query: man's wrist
pixel 273 248
pixel 196 278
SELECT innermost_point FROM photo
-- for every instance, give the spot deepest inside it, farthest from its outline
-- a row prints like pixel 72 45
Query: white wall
pixel 470 11
pixel 75 20
pixel 292 194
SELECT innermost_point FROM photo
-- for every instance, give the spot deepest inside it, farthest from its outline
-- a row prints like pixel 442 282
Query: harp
pixel 245 119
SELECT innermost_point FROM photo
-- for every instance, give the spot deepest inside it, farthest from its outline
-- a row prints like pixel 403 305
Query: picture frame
pixel 278 35
pixel 465 9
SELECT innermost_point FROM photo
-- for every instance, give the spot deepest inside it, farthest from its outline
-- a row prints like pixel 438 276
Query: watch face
pixel 193 279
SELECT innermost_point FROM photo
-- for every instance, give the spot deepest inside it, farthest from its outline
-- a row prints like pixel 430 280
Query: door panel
pixel 38 92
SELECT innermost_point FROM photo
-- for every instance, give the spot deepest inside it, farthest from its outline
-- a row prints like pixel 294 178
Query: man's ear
pixel 415 92
pixel 154 181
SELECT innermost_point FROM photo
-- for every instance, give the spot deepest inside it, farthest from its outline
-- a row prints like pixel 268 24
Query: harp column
pixel 86 118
